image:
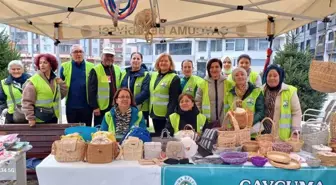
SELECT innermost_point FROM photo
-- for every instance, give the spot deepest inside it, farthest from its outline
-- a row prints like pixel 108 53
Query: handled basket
pixel 314 134
pixel 266 137
pixel 102 153
pixel 295 143
pixel 322 76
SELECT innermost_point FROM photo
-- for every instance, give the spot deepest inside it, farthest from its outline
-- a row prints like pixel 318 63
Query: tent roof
pixel 184 18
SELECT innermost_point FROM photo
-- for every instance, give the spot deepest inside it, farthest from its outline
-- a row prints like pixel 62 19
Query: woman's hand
pixel 59 80
pixel 32 123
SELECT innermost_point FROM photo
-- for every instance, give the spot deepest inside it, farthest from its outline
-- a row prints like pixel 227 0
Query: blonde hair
pixel 172 65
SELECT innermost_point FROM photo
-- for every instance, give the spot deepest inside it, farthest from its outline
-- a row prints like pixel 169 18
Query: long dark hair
pixel 211 61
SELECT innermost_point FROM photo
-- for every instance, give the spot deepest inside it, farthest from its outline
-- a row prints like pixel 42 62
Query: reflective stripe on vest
pixel 67 73
pixel 206 100
pixel 110 121
pixel 137 89
pixel 248 103
pixel 285 122
pixel 160 94
pixel 175 122
pixel 44 94
pixel 16 93
pixel 252 78
pixel 103 95
pixel 191 85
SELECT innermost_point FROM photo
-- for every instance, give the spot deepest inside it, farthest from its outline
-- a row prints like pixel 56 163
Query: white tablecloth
pixel 51 172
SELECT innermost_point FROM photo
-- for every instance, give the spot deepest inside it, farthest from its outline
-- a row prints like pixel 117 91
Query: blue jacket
pixel 134 118
pixel 144 94
pixel 18 83
pixel 77 90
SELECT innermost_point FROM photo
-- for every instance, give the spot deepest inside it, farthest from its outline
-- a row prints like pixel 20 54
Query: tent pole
pixel 239 8
pixel 56 29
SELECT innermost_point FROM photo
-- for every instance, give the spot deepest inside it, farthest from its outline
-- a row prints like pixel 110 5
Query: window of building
pixel 331 36
pixel 216 45
pixel 252 45
pixel 308 44
pixel 47 48
pixel 160 48
pixel 22 47
pixel 302 46
pixel 240 45
pixel 180 48
pixel 202 46
pixel 308 26
pixel 230 44
pixel 95 51
pixel 276 44
pixel 64 48
pixel 263 44
pixel 146 49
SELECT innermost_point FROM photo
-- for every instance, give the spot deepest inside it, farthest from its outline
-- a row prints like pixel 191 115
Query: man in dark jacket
pixel 104 80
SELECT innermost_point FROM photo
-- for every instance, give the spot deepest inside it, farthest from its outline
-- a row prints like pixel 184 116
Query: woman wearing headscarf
pixel 11 89
pixel 227 66
pixel 245 95
pixel 281 103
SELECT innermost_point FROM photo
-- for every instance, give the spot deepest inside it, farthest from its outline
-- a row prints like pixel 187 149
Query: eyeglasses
pixel 124 97
pixel 78 52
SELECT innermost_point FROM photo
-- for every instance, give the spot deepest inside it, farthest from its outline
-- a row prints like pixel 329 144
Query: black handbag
pixel 45 113
pixel 207 141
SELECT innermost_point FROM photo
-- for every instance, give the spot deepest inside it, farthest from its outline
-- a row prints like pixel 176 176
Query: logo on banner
pixel 185 180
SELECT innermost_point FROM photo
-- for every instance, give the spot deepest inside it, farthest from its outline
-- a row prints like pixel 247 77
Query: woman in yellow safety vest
pixel 227 66
pixel 136 78
pixel 245 95
pixel 123 115
pixel 211 94
pixel 164 88
pixel 281 103
pixel 189 82
pixel 186 113
pixel 244 61
pixel 11 91
pixel 40 95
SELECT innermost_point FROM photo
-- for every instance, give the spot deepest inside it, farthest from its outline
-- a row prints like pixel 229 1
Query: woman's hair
pixel 244 56
pixel 187 60
pixel 15 62
pixel 187 95
pixel 118 92
pixel 172 65
pixel 210 62
pixel 50 58
pixel 138 54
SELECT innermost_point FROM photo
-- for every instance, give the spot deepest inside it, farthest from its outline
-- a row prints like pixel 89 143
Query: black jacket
pixel 93 87
pixel 174 93
pixel 186 117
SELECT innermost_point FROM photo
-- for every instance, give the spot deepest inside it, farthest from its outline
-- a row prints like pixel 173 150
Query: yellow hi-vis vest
pixel 137 89
pixel 67 72
pixel 16 93
pixel 103 95
pixel 44 94
pixel 191 85
pixel 175 122
pixel 159 96
pixel 110 121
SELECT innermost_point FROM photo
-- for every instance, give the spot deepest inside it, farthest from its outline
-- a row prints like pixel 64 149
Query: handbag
pixel 45 113
pixel 83 131
pixel 18 115
pixel 164 140
pixel 208 139
pixel 187 133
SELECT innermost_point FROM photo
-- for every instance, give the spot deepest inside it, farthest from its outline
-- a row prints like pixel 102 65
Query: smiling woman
pixel 11 92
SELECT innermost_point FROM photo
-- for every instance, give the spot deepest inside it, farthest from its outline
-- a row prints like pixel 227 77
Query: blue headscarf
pixel 281 73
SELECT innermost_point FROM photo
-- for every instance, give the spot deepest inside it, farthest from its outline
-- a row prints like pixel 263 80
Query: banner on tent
pixel 245 175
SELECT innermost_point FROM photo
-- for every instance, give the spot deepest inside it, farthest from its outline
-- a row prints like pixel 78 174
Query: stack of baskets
pixel 265 141
pixel 327 158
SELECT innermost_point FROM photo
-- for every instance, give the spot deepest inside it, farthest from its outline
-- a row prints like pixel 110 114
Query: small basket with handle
pixel 295 143
pixel 266 137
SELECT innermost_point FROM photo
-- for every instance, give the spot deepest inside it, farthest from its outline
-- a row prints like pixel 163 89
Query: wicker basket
pixel 282 147
pixel 320 148
pixel 322 76
pixel 251 146
pixel 265 146
pixel 242 135
pixel 132 149
pixel 295 143
pixel 332 145
pixel 69 150
pixel 327 158
pixel 314 134
pixel 226 141
pixel 102 153
pixel 266 137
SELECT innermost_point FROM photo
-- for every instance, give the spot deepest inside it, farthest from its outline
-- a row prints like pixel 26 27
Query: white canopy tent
pixel 77 19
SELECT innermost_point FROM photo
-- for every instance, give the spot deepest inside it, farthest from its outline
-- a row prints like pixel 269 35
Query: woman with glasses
pixel 123 115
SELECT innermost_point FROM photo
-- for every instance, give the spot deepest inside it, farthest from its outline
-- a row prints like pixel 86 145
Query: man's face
pixel 77 54
pixel 108 59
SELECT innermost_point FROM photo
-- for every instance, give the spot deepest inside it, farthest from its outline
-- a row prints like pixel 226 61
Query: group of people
pixel 119 99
